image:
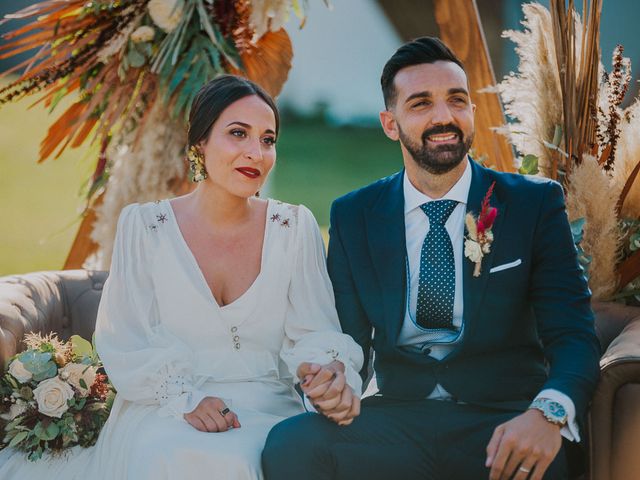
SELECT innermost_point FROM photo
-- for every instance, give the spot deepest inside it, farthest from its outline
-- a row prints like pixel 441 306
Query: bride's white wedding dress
pixel 166 344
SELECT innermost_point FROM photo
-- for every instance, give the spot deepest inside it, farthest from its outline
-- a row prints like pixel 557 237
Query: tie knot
pixel 439 211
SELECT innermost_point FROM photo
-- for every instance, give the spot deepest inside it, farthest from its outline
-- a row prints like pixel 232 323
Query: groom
pixel 466 284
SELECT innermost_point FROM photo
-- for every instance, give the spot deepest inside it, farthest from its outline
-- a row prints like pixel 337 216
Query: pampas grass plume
pixel 592 195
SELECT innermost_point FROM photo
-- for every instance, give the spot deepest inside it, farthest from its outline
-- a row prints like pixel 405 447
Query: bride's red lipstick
pixel 249 172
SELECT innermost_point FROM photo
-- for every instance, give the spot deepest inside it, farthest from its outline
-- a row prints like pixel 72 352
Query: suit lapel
pixel 474 287
pixel 387 249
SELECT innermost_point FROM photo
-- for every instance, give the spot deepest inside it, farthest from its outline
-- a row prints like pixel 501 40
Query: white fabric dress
pixel 166 344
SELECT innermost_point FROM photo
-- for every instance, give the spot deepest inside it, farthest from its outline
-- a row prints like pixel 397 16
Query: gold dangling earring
pixel 197 172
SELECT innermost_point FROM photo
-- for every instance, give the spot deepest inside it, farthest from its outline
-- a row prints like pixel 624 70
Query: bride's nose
pixel 253 151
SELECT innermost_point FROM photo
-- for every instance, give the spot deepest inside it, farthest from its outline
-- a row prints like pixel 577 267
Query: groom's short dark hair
pixel 421 50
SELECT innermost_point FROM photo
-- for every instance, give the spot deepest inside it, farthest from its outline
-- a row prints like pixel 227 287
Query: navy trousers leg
pixel 424 439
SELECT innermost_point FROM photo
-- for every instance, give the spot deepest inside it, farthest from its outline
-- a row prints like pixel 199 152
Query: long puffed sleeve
pixel 312 328
pixel 144 362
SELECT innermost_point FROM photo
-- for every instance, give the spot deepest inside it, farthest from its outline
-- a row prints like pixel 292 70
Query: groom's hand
pixel 327 389
pixel 526 443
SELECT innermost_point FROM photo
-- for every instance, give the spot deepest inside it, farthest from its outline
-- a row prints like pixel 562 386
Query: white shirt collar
pixel 413 197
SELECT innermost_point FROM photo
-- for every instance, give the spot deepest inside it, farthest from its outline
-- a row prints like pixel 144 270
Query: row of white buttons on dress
pixel 235 337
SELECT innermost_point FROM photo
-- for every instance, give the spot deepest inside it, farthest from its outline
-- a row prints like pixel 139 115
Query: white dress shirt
pixel 412 336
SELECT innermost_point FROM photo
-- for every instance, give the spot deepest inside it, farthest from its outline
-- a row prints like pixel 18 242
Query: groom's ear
pixel 389 125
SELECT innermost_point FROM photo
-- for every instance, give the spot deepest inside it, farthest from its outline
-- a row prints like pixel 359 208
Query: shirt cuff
pixel 570 431
pixel 308 405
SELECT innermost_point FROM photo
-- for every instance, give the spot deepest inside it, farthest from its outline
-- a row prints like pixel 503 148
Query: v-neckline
pixel 198 270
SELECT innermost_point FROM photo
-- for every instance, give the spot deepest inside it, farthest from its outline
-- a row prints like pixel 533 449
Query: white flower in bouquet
pixel 17 370
pixel 166 13
pixel 80 376
pixel 52 395
pixel 15 410
pixel 472 250
pixel 143 33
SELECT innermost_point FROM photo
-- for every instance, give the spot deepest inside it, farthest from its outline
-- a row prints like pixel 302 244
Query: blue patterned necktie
pixel 436 287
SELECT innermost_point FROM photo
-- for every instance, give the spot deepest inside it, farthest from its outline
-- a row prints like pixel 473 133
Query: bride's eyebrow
pixel 246 125
pixel 242 124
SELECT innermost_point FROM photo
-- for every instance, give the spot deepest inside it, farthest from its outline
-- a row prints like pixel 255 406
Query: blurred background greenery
pixel 40 204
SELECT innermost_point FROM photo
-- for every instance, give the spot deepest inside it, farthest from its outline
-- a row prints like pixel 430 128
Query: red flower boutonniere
pixel 478 241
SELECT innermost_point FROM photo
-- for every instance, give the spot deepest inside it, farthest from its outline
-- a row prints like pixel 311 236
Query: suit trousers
pixel 407 439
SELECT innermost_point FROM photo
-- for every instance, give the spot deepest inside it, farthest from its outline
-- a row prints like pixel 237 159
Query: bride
pixel 213 302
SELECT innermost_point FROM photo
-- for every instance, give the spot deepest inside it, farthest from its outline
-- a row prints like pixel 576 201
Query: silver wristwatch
pixel 552 411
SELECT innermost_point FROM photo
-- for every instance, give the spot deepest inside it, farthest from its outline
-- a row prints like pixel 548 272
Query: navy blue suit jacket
pixel 526 328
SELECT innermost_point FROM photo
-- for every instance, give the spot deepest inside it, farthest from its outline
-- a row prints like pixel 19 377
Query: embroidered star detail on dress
pixel 479 235
pixel 161 218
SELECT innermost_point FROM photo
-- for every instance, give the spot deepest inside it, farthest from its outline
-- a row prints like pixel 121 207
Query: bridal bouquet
pixel 53 396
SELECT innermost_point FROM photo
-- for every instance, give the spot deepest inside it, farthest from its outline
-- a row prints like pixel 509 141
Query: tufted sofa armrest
pixel 65 302
pixel 614 418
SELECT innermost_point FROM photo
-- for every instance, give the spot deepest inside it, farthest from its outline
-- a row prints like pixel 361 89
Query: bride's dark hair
pixel 214 97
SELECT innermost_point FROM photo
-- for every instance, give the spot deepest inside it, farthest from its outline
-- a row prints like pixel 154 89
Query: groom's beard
pixel 442 158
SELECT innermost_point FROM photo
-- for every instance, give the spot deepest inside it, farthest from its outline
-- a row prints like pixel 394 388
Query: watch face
pixel 556 410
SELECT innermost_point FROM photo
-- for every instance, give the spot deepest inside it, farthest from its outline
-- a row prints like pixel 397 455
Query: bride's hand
pixel 212 415
pixel 327 389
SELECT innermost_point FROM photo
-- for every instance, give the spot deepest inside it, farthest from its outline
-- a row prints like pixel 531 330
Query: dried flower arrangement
pixel 569 126
pixel 136 66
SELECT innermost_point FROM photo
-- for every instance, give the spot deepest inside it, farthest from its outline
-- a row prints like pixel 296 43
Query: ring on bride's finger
pixel 224 411
pixel 524 470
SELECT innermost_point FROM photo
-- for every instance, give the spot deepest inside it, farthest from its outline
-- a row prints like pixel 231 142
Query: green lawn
pixel 39 204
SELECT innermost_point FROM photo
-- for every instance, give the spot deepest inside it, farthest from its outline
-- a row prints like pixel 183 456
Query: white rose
pixel 74 372
pixel 52 395
pixel 15 410
pixel 473 251
pixel 166 13
pixel 17 370
pixel 142 34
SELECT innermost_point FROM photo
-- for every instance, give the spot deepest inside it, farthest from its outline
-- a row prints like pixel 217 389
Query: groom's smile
pixel 431 115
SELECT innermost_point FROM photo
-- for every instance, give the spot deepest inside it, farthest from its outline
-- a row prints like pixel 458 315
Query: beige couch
pixel 66 302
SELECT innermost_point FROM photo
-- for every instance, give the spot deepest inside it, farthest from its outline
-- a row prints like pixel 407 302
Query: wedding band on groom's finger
pixel 224 411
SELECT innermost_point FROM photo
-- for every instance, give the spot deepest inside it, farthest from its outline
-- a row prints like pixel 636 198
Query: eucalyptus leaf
pixel 39 431
pixel 52 430
pixel 136 59
pixel 18 438
pixel 14 423
pixel 80 347
pixel 577 229
pixel 529 165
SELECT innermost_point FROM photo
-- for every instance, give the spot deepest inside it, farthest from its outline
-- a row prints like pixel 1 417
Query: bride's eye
pixel 238 132
pixel 270 141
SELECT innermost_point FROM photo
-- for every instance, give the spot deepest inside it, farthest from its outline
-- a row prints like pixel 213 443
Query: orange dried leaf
pixel 627 188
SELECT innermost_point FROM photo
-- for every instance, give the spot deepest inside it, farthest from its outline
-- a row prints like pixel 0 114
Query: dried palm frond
pixel 269 61
pixel 578 59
